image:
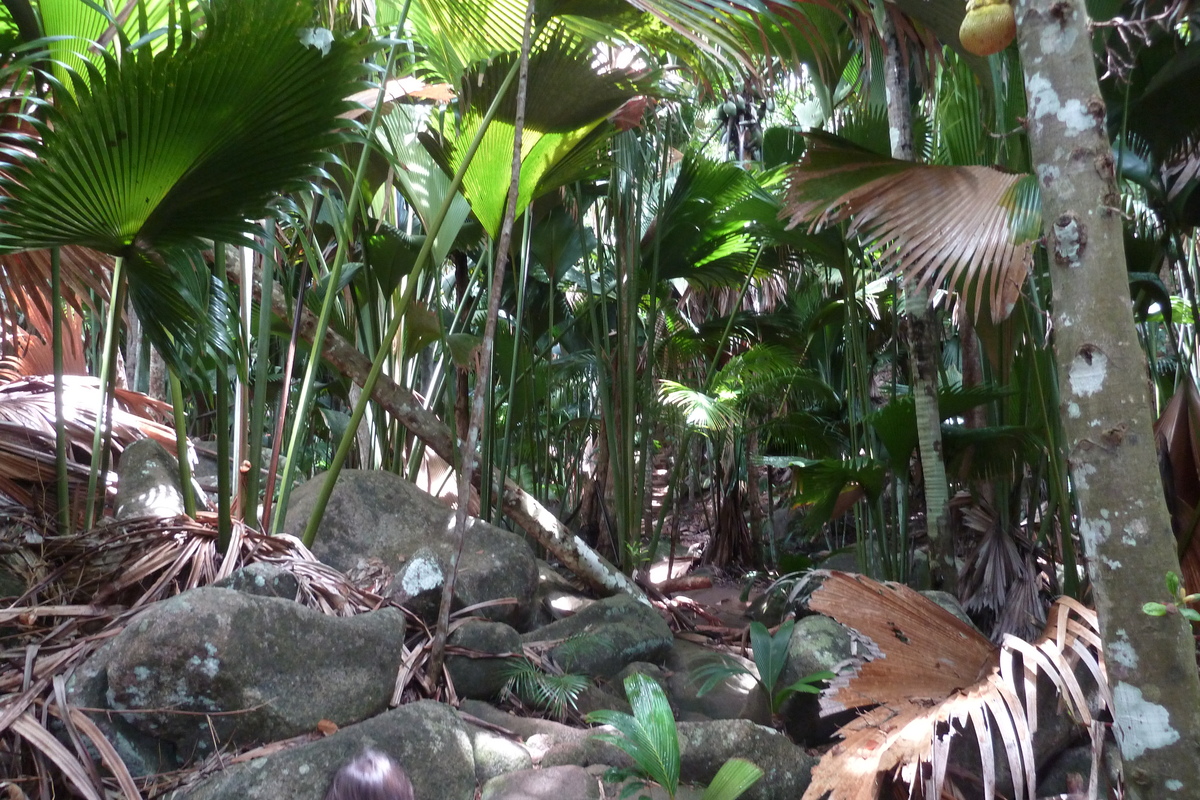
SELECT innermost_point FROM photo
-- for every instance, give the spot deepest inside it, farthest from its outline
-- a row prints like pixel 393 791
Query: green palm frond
pixel 701 410
pixel 567 100
pixel 186 145
pixel 556 693
pixel 649 736
pixel 739 32
pixel 965 227
pixel 700 230
pixel 458 33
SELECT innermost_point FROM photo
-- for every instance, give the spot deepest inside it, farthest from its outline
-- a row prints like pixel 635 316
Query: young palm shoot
pixel 651 739
pixel 770 656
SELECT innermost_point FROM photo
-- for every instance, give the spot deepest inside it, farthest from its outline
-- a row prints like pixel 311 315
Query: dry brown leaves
pixel 84 589
pixel 939 225
pixel 932 679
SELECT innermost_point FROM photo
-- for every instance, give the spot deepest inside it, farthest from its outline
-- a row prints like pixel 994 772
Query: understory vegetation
pixel 638 279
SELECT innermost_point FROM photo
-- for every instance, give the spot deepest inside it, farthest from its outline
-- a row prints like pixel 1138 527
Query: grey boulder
pixel 478 676
pixel 426 738
pixel 604 637
pixel 216 664
pixel 378 515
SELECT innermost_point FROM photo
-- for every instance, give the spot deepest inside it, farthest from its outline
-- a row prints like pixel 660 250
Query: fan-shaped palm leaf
pixel 700 231
pixel 187 145
pixel 567 100
pixel 162 152
pixel 968 227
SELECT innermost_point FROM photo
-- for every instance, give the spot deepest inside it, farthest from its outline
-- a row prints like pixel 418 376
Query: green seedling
pixel 651 739
pixel 1180 604
pixel 770 656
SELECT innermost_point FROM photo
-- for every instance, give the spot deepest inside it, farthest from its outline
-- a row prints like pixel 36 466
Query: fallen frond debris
pixel 930 681
pixel 84 589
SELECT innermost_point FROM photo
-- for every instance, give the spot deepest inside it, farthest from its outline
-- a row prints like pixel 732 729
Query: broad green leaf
pixel 732 780
pixel 770 652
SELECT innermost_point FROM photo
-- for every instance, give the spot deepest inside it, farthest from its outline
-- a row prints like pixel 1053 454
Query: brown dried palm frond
pixel 27 462
pixel 28 350
pixel 83 590
pixel 1001 586
pixel 933 682
pixel 83 272
pixel 968 228
pixel 1177 434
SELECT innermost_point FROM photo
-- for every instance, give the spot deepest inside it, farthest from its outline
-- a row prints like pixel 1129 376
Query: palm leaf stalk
pixel 224 488
pixel 258 408
pixel 522 281
pixel 305 399
pixel 107 373
pixel 181 443
pixel 60 433
pixel 348 438
pixel 484 365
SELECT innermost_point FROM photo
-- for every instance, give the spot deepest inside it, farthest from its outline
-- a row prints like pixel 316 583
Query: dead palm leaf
pixel 93 584
pixel 25 281
pixel 968 228
pixel 930 677
pixel 1177 433
pixel 27 461
pixel 28 349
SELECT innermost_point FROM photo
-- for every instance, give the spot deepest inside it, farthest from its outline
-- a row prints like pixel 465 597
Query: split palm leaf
pixel 968 228
pixel 931 678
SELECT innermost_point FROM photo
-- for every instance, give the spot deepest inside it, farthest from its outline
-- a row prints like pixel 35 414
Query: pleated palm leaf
pixel 563 131
pixel 967 227
pixel 160 154
pixel 934 685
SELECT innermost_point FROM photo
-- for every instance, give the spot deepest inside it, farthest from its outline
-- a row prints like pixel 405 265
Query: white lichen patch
pixel 1075 117
pixel 1073 410
pixel 1057 38
pixel 1122 652
pixel 1111 563
pixel 1043 99
pixel 1095 532
pixel 1141 725
pixel 1081 475
pixel 1048 174
pixel 1174 785
pixel 1087 373
pixel 1045 102
pixel 422 574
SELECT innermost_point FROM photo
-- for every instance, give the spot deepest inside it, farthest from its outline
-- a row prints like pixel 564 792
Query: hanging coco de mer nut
pixel 988 27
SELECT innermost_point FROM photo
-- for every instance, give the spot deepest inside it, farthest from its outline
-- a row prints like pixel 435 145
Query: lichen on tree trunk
pixel 1123 519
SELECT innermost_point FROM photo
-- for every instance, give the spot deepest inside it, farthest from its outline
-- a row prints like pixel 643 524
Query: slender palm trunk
pixel 1123 519
pixel 922 328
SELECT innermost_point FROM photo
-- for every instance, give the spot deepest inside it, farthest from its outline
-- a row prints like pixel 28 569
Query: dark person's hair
pixel 370 776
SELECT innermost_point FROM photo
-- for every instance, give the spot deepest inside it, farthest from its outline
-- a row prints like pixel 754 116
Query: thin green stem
pixel 107 366
pixel 345 235
pixel 60 426
pixel 181 444
pixel 259 406
pixel 335 466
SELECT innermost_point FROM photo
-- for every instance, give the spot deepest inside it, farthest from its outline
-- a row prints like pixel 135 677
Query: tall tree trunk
pixel 1123 518
pixel 922 328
